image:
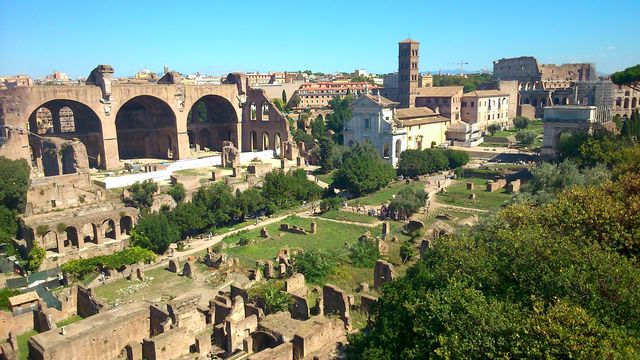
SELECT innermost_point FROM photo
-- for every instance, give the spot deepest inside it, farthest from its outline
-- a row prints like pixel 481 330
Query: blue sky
pixel 217 37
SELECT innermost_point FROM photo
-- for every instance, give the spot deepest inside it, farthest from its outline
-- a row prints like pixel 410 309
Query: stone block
pixel 336 302
pixel 174 265
pixel 469 186
pixel 367 302
pixel 383 273
pixel 295 284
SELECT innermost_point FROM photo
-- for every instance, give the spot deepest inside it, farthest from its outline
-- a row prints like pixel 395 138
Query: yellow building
pixel 425 128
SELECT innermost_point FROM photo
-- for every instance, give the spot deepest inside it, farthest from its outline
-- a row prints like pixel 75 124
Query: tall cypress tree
pixel 625 132
pixel 284 96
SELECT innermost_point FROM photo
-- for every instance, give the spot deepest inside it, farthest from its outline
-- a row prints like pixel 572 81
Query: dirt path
pixel 372 225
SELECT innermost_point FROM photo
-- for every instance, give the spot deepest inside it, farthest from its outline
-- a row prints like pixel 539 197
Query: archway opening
pixel 67 119
pixel 214 120
pixel 146 128
pixel 72 236
pixel 398 148
pixel 265 141
pixel 126 224
pixel 109 229
pixel 88 233
pixel 277 144
pixel 254 141
pixel 50 241
pixel 385 151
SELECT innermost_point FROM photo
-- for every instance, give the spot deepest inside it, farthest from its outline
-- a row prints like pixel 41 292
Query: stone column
pixel 60 243
pixel 116 230
pixel 98 234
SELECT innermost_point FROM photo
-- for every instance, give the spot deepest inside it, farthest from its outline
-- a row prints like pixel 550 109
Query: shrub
pixel 141 194
pixel 364 253
pixel 521 122
pixel 155 232
pixel 177 192
pixel 42 229
pixel 493 128
pixel 363 171
pixel 408 201
pixel 316 265
pixel 35 258
pixel 80 268
pixel 5 294
pixel 271 295
pixel 332 203
pixel 525 137
pixel 407 251
pixel 8 225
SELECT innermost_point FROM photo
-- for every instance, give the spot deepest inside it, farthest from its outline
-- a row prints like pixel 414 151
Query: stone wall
pixel 300 308
pixel 88 304
pixel 170 345
pixel 367 302
pixel 320 334
pixel 336 302
pixel 283 351
pixel 382 273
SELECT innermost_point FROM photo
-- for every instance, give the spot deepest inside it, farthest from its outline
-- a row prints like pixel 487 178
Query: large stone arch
pixel 66 119
pixel 146 128
pixel 263 340
pixel 212 119
pixel 109 230
pixel 126 225
pixel 49 241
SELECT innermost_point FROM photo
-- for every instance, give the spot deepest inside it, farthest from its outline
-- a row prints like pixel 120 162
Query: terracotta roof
pixel 409 40
pixel 417 116
pixel 485 93
pixel 458 125
pixel 383 100
pixel 23 298
pixel 440 91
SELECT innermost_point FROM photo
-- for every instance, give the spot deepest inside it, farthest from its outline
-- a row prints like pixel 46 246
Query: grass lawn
pixel 68 321
pixel 457 217
pixel 384 195
pixel 349 216
pixel 331 236
pixel 458 195
pixel 325 178
pixel 158 284
pixel 23 348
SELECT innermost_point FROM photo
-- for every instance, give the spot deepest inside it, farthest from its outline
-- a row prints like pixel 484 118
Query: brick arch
pixel 216 115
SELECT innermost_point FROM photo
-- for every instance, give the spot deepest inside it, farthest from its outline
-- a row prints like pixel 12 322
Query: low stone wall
pixel 283 351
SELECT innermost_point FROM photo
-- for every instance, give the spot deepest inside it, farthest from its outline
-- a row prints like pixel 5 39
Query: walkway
pixel 371 225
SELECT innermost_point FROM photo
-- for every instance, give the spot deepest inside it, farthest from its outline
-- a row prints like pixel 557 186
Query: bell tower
pixel 407 72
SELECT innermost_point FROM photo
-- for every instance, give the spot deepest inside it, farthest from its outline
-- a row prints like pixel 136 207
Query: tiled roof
pixel 409 40
pixel 485 93
pixel 23 298
pixel 417 116
pixel 382 100
pixel 439 91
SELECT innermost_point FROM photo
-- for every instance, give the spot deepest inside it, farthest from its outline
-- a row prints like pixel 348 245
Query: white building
pixel 375 119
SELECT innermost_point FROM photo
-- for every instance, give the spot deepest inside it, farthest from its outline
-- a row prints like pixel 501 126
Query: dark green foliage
pixel 8 225
pixel 189 219
pixel 588 150
pixel 521 122
pixel 407 251
pixel 553 281
pixel 284 96
pixel 470 81
pixel 456 158
pixel 80 268
pixel 364 253
pixel 408 201
pixel 307 139
pixel 318 128
pixel 341 114
pixel 5 294
pixel 280 105
pixel 285 190
pixel 629 76
pixel 330 155
pixel 526 137
pixel 250 202
pixel 331 203
pixel 177 192
pixel 315 265
pixel 141 194
pixel 363 171
pixel 294 102
pixel 219 203
pixel 419 162
pixel 35 257
pixel 155 232
pixel 14 182
pixel 271 295
pixel 493 128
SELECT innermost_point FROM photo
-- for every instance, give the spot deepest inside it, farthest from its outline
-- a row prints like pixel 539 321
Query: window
pixel 253 111
pixel 472 104
pixel 464 104
pixel 367 123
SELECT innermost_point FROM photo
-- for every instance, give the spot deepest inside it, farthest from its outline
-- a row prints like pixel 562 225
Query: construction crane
pixel 462 63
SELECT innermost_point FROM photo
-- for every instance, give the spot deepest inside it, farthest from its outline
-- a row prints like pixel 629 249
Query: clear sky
pixel 220 36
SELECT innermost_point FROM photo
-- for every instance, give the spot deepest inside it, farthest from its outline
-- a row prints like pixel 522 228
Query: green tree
pixel 456 158
pixel 628 77
pixel 271 295
pixel 14 182
pixel 285 190
pixel 408 201
pixel 302 136
pixel 294 102
pixel 141 194
pixel 318 128
pixel 35 258
pixel 219 204
pixel 155 232
pixel 280 105
pixel 188 219
pixel 330 155
pixel 412 163
pixel 525 137
pixel 316 265
pixel 363 171
pixel 284 96
pixel 250 202
pixel 8 225
pixel 177 192
pixel 407 251
pixel 364 253
pixel 521 122
pixel 331 203
pixel 493 128
pixel 341 114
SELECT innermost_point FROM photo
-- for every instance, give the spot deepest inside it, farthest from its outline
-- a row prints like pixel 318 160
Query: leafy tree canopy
pixel 14 182
pixel 363 171
pixel 629 77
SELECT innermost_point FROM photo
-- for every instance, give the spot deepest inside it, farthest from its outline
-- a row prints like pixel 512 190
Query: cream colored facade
pixel 425 136
pixel 485 107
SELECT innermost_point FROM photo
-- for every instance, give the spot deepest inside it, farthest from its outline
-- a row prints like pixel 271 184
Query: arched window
pixel 265 141
pixel 385 151
pixel 398 148
pixel 265 111
pixel 253 111
pixel 254 141
pixel 626 103
pixel 67 120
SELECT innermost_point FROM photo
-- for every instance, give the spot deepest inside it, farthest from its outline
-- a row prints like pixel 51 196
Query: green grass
pixel 458 216
pixel 349 216
pixel 492 145
pixel 384 195
pixel 164 284
pixel 68 321
pixel 325 178
pixel 330 236
pixel 23 348
pixel 458 195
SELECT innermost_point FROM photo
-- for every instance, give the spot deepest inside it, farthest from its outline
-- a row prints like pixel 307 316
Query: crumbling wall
pixel 170 345
pixel 383 273
pixel 283 351
pixel 275 126
pixel 88 304
pixel 336 302
pixel 316 337
pixel 299 309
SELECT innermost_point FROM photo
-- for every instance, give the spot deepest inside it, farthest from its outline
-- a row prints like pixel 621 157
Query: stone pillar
pixel 55 119
pixel 116 230
pixel 60 243
pixel 314 227
pixel 80 239
pixel 99 235
pixel 182 147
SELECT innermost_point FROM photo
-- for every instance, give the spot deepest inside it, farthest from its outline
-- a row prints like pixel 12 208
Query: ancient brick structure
pixel 367 302
pixel 513 187
pixel 336 302
pixel 383 273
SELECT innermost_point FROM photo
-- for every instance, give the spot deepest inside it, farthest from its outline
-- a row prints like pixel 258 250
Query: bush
pixel 80 268
pixel 363 171
pixel 364 253
pixel 8 225
pixel 525 137
pixel 316 265
pixel 493 128
pixel 155 232
pixel 177 192
pixel 407 251
pixel 271 295
pixel 407 202
pixel 332 203
pixel 5 294
pixel 14 182
pixel 521 122
pixel 141 194
pixel 416 162
pixel 35 258
pixel 457 158
pixel 285 190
